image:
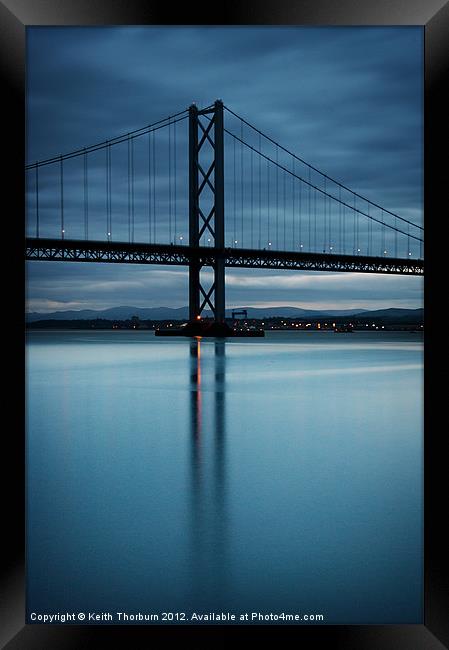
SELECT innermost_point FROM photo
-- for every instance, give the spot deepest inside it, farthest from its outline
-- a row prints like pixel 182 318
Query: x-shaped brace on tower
pixel 206 205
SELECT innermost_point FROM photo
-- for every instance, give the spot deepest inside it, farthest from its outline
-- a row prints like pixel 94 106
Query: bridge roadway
pixel 77 250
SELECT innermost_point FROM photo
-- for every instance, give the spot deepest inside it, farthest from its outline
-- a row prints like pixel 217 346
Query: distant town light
pixel 301 246
pixel 358 250
pixel 269 243
pixel 331 247
pixel 409 253
pixel 385 252
pixel 63 230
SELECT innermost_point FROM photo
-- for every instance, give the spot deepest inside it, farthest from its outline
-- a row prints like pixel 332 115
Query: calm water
pixel 266 475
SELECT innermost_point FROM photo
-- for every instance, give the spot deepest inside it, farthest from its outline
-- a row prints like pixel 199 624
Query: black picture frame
pixel 15 16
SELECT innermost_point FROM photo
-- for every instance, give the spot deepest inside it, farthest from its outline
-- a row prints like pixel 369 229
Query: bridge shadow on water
pixel 209 561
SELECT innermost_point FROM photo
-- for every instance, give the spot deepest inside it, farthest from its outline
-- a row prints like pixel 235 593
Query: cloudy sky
pixel 347 100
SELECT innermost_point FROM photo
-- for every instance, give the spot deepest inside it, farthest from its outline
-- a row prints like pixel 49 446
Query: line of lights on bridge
pixel 181 239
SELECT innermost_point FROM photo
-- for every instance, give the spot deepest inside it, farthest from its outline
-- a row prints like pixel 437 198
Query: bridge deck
pixel 74 250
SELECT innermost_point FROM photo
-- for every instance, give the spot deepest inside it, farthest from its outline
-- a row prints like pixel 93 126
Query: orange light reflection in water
pixel 198 391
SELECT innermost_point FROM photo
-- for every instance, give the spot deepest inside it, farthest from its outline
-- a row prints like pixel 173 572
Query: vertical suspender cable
pixel 169 183
pixel 339 219
pixel 149 187
pixel 234 190
pixel 277 198
pixel 154 186
pixel 241 179
pixel 310 213
pixel 369 230
pixel 107 190
pixel 293 205
pixel 132 189
pixel 395 239
pixel 260 192
pixel 86 197
pixel 110 189
pixel 61 176
pixel 354 233
pixel 284 200
pixel 325 217
pixel 300 212
pixel 129 189
pixel 252 195
pixel 37 200
pixel 174 180
pixel 268 202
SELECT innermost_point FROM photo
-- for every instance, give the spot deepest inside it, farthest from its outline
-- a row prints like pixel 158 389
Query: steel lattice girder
pixel 125 253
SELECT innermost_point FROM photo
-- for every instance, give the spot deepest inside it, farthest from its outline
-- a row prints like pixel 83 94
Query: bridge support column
pixel 206 207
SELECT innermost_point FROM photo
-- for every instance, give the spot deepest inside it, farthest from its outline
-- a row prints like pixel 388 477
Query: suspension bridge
pixel 200 191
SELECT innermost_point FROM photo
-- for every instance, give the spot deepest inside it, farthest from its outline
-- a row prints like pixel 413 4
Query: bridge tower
pixel 206 207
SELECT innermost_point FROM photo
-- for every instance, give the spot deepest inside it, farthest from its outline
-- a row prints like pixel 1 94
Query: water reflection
pixel 220 478
pixel 208 472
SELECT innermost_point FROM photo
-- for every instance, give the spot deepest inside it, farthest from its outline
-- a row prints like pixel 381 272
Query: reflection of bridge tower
pixel 208 473
pixel 206 205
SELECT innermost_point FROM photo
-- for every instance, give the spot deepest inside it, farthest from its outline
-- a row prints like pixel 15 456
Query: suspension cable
pixel 137 133
pixel 318 189
pixel 318 171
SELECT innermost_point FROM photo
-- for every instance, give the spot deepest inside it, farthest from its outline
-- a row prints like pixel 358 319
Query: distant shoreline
pixel 270 324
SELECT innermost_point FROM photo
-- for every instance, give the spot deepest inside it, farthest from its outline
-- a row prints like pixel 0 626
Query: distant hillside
pixel 392 315
pixel 114 313
pixel 181 313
